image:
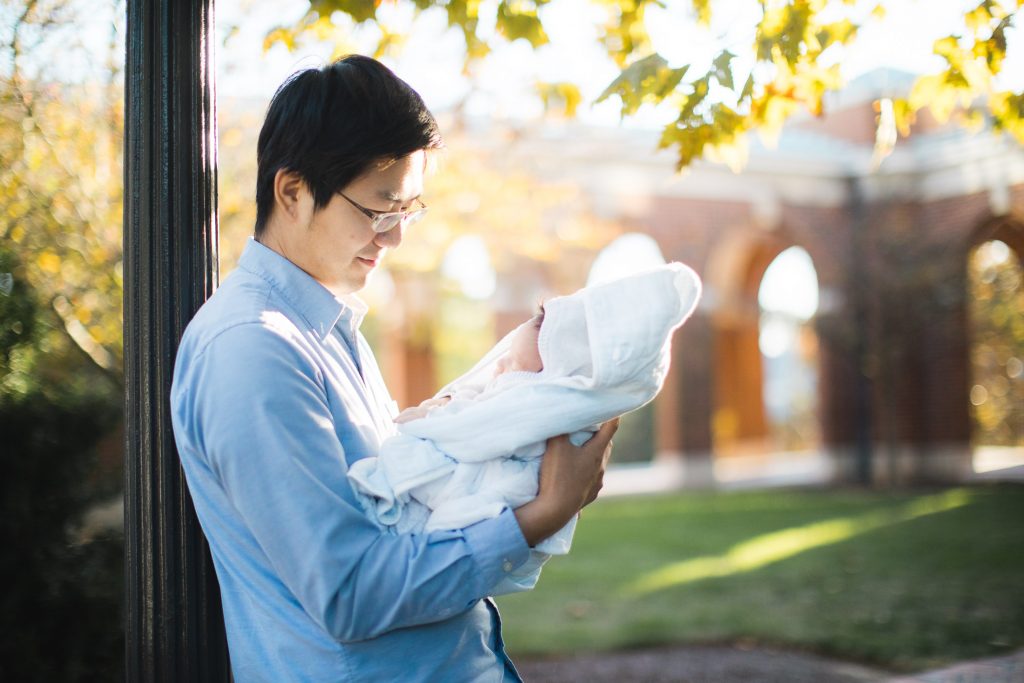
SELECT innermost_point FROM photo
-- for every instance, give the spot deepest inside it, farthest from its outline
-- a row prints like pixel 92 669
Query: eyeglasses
pixel 382 221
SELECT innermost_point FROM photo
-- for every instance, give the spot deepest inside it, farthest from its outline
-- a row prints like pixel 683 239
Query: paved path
pixel 698 664
pixel 1006 669
pixel 725 664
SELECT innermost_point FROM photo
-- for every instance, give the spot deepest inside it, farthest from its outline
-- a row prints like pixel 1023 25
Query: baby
pixel 523 356
pixel 475 449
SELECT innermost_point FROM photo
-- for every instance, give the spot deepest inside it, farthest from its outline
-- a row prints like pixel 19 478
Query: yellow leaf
pixel 280 35
pixel 733 154
pixel 949 48
pixel 703 9
pixel 977 74
pixel 904 115
pixel 978 19
pixel 776 110
pixel 774 21
pixel 560 98
pixel 49 262
pixel 323 28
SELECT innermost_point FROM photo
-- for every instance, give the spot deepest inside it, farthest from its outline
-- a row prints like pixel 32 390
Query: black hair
pixel 538 318
pixel 330 124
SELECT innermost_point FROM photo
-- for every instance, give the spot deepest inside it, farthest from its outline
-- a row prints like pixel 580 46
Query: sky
pixel 431 61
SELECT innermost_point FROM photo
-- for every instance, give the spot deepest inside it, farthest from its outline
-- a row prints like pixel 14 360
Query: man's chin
pixel 355 281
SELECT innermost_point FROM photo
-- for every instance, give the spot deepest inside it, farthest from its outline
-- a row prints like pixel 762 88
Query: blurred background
pixel 831 467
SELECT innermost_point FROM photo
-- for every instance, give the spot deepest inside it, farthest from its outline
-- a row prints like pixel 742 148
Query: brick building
pixel 889 243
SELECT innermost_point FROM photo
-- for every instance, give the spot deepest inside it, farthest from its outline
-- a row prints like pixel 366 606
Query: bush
pixel 60 610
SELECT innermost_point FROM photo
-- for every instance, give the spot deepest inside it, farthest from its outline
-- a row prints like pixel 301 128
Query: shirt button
pixel 506 565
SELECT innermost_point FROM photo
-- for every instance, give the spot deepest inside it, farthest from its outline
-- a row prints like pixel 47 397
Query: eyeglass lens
pixel 391 220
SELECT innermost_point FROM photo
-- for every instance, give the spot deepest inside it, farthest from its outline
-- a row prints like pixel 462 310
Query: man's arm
pixel 570 478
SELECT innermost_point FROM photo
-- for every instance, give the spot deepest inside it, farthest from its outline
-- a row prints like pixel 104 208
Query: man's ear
pixel 288 190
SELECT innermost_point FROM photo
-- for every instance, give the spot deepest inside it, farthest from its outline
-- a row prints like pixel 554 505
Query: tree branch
pixel 79 336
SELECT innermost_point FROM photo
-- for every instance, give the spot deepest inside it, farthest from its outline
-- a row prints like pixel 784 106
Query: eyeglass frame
pixel 377 217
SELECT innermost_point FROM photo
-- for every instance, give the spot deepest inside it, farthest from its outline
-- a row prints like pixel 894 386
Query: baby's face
pixel 523 355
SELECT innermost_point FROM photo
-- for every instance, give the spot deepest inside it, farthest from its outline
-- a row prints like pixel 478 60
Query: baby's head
pixel 524 354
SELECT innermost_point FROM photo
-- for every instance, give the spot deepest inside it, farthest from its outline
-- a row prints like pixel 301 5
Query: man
pixel 276 393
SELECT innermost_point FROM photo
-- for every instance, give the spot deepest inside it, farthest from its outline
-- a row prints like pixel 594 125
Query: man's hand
pixel 570 479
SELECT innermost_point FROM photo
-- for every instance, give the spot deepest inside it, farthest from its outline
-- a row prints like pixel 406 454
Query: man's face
pixel 337 247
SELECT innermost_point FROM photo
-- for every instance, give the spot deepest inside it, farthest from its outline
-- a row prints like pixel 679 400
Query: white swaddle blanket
pixel 605 351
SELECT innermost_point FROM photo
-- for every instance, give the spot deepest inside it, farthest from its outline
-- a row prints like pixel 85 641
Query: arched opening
pixel 630 253
pixel 995 280
pixel 767 357
pixel 788 299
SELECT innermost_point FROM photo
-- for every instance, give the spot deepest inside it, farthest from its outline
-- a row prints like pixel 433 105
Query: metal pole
pixel 860 289
pixel 173 624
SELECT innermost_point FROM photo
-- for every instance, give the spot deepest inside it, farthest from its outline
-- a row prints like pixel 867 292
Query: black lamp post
pixel 173 624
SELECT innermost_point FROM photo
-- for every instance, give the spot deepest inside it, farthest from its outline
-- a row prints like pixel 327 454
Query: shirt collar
pixel 315 303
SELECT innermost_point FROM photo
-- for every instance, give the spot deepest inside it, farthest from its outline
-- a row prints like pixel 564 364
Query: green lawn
pixel 907 580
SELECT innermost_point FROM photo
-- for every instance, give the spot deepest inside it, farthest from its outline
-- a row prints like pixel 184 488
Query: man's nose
pixel 390 239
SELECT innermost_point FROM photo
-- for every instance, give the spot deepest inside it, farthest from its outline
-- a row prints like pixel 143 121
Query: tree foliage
pixel 60 185
pixel 60 347
pixel 795 47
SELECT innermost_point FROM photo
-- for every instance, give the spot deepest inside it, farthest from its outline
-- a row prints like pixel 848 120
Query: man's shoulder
pixel 245 306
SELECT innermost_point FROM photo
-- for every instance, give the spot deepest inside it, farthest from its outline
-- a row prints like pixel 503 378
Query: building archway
pixel 995 283
pixel 788 299
pixel 766 361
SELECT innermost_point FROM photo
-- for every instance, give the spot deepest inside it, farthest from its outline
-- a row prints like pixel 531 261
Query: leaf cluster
pixel 966 86
pixel 795 50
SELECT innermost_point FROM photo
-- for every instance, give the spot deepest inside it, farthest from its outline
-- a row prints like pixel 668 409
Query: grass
pixel 907 580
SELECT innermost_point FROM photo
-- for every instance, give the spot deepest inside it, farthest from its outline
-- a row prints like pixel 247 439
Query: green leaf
pixel 722 70
pixel 841 32
pixel 624 33
pixel 359 10
pixel 517 20
pixel 748 88
pixel 647 80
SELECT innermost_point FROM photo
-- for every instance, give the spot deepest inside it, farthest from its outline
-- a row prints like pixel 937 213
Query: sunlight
pixel 992 254
pixel 781 545
pixel 631 253
pixel 468 263
pixel 790 285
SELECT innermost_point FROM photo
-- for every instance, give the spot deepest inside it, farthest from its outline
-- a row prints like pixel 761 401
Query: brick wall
pixel 893 337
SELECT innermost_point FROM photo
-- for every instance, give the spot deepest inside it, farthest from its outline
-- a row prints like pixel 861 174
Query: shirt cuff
pixel 498 548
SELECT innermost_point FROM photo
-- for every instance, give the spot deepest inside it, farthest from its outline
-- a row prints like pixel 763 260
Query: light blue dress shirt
pixel 275 394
